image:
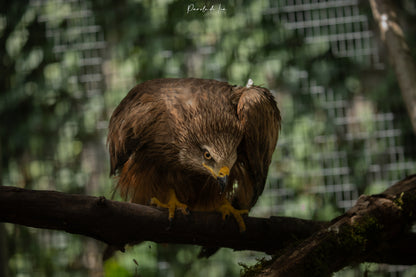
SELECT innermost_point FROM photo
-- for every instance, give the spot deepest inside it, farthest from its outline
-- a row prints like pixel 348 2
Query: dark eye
pixel 207 155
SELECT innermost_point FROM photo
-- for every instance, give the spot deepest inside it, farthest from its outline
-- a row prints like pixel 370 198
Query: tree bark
pixel 376 229
pixel 120 223
pixel 404 65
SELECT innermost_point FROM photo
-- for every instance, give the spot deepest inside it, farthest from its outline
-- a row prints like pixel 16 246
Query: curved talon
pixel 226 209
pixel 172 204
pixel 155 201
pixel 184 209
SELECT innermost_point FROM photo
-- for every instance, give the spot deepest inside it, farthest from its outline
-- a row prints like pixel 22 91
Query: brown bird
pixel 196 144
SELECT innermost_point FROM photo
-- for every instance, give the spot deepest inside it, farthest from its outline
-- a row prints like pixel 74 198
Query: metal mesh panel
pixel 74 32
pixel 341 24
pixel 329 170
pixel 338 23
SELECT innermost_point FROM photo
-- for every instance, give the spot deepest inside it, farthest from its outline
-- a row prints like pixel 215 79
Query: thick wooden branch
pixel 399 54
pixel 120 223
pixel 376 229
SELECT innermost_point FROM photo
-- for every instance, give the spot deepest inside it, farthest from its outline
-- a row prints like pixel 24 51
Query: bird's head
pixel 212 161
pixel 211 152
pixel 217 165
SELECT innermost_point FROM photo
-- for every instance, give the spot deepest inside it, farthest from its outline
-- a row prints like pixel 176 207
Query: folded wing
pixel 258 113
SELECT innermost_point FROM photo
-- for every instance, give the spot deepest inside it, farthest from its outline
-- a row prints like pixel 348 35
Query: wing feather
pixel 133 123
pixel 258 113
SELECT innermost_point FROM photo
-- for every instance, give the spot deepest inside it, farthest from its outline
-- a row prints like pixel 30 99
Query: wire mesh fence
pixel 354 121
pixel 339 23
pixel 78 38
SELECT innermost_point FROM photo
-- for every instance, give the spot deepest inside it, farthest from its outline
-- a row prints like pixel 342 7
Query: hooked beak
pixel 222 177
pixel 222 181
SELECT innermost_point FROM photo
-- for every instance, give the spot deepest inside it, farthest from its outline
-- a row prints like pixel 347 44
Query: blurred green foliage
pixel 48 121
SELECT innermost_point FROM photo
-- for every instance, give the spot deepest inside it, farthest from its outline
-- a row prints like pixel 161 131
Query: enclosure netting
pixel 365 132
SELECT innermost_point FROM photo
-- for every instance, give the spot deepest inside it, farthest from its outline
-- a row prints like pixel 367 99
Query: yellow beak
pixel 221 176
pixel 224 171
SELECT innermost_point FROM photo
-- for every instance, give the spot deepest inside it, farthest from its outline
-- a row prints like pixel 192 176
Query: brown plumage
pixel 184 134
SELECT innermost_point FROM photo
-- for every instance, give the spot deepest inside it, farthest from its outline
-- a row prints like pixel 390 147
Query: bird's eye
pixel 207 155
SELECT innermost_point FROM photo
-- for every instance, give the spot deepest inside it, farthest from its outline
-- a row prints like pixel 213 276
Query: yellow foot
pixel 172 204
pixel 226 209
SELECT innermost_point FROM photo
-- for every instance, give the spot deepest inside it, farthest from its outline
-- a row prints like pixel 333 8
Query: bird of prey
pixel 194 145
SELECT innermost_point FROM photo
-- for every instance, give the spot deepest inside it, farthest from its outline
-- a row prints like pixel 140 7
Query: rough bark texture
pixel 392 35
pixel 376 229
pixel 119 223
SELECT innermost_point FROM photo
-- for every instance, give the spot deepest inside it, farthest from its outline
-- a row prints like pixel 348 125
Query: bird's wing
pixel 258 113
pixel 145 116
pixel 132 123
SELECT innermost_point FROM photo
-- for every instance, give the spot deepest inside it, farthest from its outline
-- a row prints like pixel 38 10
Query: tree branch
pixel 120 223
pixel 376 229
